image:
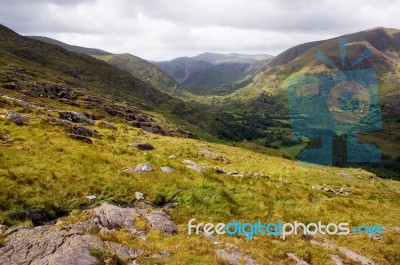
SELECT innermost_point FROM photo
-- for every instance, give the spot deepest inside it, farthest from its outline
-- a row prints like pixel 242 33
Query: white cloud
pixel 164 29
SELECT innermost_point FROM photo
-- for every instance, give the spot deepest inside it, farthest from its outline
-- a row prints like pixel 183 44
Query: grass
pixel 43 168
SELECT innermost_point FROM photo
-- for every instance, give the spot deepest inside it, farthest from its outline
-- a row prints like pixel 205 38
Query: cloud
pixel 164 29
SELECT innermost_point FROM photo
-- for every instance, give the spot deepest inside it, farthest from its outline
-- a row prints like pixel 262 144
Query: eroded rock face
pixel 233 256
pixel 109 217
pixel 41 246
pixel 17 118
pixel 73 245
pixel 75 117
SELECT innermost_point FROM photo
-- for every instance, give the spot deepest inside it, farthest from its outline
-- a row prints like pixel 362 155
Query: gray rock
pixel 336 259
pixel 21 102
pixel 193 165
pixel 161 255
pixel 211 155
pixel 140 168
pixel 108 125
pixel 38 246
pixel 80 138
pixel 17 118
pixel 109 217
pixel 296 259
pixel 172 157
pixel 123 251
pixel 166 169
pixel 160 221
pixel 85 131
pixel 139 196
pixel 75 117
pixel 233 256
pixel 91 198
pixel 142 146
pixel 63 123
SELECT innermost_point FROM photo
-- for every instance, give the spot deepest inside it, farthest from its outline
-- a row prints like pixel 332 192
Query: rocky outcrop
pixel 142 146
pixel 233 256
pixel 211 155
pixel 20 102
pixel 140 168
pixel 17 118
pixel 109 217
pixel 75 117
pixel 72 244
pixel 80 138
pixel 74 128
pixel 193 165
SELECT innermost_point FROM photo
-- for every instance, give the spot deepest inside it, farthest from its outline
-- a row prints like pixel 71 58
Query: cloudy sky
pixel 165 29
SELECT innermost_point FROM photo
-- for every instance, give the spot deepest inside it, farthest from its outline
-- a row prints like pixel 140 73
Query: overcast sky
pixel 165 29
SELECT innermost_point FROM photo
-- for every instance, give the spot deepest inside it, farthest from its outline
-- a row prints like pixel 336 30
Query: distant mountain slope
pixel 213 74
pixel 216 58
pixel 148 73
pixel 78 49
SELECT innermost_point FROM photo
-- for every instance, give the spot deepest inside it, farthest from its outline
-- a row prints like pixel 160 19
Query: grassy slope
pixel 43 168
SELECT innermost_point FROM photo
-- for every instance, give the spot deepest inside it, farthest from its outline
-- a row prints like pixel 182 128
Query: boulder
pixel 85 131
pixel 80 138
pixel 193 165
pixel 233 256
pixel 211 155
pixel 142 146
pixel 166 169
pixel 140 168
pixel 17 118
pixel 75 117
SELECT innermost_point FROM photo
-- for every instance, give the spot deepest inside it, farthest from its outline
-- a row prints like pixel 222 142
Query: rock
pixel 220 171
pixel 17 118
pixel 109 217
pixel 193 165
pixel 296 259
pixel 161 255
pixel 142 146
pixel 91 198
pixel 233 256
pixel 166 169
pixel 69 102
pixel 63 123
pixel 75 117
pixel 345 175
pixel 336 259
pixel 170 205
pixel 317 187
pixel 139 196
pixel 35 215
pixel 85 131
pixel 140 168
pixel 172 157
pixel 123 251
pixel 160 221
pixel 21 102
pixel 211 155
pixel 345 251
pixel 80 138
pixel 38 246
pixel 108 125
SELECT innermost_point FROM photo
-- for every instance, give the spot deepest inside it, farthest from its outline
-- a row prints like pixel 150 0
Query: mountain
pixel 148 73
pixel 217 58
pixel 213 74
pixel 73 48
